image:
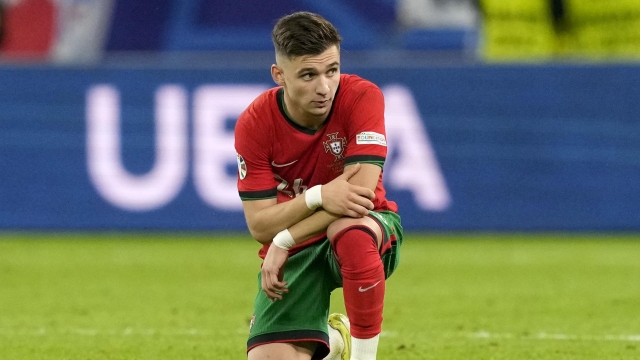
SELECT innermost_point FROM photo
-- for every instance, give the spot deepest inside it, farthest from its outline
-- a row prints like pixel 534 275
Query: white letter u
pixel 120 188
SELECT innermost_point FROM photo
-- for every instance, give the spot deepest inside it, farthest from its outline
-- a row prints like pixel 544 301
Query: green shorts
pixel 312 274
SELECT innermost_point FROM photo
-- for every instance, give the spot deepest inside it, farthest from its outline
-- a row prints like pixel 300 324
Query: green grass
pixel 153 296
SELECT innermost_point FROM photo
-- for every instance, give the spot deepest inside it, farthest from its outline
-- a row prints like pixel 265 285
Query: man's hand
pixel 273 272
pixel 341 198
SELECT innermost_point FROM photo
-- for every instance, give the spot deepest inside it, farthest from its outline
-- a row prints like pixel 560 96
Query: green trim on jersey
pixel 258 195
pixel 366 159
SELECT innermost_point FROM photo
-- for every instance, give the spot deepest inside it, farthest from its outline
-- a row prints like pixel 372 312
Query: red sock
pixel 363 279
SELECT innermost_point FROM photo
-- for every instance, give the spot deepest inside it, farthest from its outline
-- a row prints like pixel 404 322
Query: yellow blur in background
pixel 538 30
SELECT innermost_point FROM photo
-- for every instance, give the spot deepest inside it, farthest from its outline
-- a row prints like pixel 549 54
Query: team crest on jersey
pixel 242 167
pixel 335 145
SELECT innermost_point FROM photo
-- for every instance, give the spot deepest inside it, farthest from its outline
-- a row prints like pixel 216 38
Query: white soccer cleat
pixel 339 338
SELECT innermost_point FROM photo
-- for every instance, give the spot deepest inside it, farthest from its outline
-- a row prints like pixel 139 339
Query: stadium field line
pixel 200 332
pixel 109 332
pixel 547 336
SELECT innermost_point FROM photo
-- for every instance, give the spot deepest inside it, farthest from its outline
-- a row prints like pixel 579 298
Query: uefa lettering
pixel 411 162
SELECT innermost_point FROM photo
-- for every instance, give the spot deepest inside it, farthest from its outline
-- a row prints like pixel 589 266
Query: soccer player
pixel 310 159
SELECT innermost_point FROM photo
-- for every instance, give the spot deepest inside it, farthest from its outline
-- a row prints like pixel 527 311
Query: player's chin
pixel 321 110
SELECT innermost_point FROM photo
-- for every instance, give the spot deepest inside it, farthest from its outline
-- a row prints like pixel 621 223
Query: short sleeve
pixel 366 141
pixel 255 177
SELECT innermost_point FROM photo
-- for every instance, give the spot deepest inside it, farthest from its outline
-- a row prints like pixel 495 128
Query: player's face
pixel 310 84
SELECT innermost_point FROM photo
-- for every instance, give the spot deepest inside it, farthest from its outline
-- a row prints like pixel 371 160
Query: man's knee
pixel 338 226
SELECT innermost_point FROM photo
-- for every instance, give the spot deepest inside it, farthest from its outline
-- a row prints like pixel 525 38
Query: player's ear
pixel 277 74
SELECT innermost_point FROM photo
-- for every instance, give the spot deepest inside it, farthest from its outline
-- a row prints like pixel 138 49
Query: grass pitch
pixel 168 296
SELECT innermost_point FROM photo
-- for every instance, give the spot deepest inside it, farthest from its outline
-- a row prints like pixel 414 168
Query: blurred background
pixel 501 115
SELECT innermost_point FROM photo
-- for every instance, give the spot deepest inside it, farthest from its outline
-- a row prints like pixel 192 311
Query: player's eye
pixel 332 71
pixel 307 76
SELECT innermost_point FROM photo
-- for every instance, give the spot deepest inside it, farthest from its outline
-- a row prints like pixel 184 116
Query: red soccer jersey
pixel 279 158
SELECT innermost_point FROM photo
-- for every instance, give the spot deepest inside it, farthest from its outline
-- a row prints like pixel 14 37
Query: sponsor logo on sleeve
pixel 370 138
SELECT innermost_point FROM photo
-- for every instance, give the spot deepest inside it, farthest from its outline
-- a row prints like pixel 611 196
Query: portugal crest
pixel 335 145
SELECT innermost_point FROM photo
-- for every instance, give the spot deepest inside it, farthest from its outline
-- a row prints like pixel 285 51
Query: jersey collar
pixel 304 129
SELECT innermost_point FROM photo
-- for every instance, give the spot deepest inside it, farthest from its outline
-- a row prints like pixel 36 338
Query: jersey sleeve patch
pixel 371 138
pixel 368 159
pixel 242 167
pixel 258 195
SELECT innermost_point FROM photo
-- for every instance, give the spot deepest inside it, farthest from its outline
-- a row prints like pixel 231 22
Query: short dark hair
pixel 304 33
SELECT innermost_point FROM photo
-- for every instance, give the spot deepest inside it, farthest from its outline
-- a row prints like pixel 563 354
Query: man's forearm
pixel 268 219
pixel 312 226
pixel 347 195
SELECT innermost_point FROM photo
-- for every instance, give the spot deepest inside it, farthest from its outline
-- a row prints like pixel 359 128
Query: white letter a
pixel 415 166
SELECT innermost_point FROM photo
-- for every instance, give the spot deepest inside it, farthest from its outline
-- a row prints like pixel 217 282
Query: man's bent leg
pixel 301 315
pixel 356 243
pixel 283 351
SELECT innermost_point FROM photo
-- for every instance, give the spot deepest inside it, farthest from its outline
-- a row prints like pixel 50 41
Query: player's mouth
pixel 322 103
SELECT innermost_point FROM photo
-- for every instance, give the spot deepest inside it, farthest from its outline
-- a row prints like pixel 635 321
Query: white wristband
pixel 313 197
pixel 284 240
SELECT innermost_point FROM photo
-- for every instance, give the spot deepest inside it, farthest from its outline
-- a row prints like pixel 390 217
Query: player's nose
pixel 323 86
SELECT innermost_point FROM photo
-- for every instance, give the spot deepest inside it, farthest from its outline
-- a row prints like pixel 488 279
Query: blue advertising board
pixel 470 148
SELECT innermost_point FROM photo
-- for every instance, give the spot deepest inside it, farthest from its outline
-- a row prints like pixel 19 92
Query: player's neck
pixel 309 121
